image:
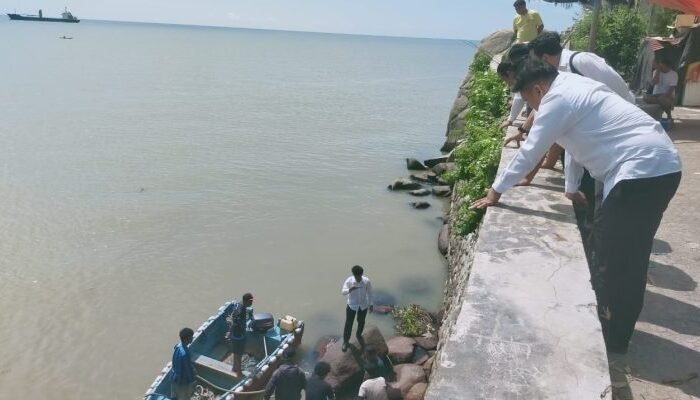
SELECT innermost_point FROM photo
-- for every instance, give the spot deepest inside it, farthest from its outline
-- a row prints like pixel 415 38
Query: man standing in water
pixel 358 290
pixel 242 312
pixel 183 370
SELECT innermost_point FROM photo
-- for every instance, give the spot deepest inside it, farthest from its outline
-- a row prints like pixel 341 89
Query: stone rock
pixel 417 392
pixel 322 345
pixel 404 184
pixel 413 164
pixel 430 163
pixel 420 356
pixel 497 42
pixel 420 205
pixel 401 349
pixel 443 167
pixel 442 191
pixel 428 365
pixel 427 343
pixel 426 177
pixel 346 368
pixel 382 309
pixel 407 376
pixel 420 192
pixel 444 239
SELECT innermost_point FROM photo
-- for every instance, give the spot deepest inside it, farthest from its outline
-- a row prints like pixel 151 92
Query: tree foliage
pixel 619 37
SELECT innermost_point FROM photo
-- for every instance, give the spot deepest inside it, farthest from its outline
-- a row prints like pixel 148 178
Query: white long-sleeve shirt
pixel 604 133
pixel 594 67
pixel 516 107
pixel 360 298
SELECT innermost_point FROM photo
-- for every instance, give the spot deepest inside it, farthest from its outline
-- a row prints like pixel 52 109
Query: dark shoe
pixel 345 347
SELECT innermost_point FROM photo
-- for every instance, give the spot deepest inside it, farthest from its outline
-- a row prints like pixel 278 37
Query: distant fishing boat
pixel 66 16
pixel 211 356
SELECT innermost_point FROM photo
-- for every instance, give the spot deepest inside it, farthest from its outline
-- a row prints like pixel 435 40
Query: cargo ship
pixel 66 16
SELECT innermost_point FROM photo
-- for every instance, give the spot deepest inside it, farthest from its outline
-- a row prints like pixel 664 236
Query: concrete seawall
pixel 520 320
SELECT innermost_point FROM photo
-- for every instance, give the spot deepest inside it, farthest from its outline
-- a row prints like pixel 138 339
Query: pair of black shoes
pixel 360 340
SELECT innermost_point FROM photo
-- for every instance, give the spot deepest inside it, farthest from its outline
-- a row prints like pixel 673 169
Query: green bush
pixel 480 63
pixel 619 37
pixel 476 160
pixel 412 320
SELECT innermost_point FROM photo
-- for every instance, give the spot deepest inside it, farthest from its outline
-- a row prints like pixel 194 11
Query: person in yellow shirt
pixel 527 24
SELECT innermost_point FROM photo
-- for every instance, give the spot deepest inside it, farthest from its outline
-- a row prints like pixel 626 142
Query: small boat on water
pixel 213 360
pixel 66 16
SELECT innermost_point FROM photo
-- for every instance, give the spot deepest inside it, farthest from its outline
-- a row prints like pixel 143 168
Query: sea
pixel 149 173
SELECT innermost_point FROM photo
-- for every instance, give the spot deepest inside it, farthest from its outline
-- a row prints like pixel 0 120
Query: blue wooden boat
pixel 211 356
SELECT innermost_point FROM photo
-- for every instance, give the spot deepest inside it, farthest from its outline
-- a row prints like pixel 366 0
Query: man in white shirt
pixel 373 389
pixel 358 290
pixel 622 147
pixel 665 80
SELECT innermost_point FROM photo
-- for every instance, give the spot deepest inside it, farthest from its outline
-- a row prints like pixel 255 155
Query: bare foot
pixel 524 182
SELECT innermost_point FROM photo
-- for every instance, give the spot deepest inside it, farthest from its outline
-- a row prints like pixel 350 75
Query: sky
pixel 454 19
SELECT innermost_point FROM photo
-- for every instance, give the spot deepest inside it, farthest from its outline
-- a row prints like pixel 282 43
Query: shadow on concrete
pixel 555 216
pixel 547 187
pixel 555 180
pixel 669 277
pixel 661 247
pixel 658 360
pixel 670 313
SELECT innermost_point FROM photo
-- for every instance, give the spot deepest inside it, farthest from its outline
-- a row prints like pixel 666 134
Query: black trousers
pixel 621 241
pixel 350 318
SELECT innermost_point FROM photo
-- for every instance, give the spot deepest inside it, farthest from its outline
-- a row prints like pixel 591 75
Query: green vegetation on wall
pixel 477 158
pixel 619 37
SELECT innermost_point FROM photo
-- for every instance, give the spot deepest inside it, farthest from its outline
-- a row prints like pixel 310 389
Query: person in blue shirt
pixel 183 370
pixel 241 314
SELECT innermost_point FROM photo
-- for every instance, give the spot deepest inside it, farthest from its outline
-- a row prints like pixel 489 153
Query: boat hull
pixel 209 350
pixel 17 17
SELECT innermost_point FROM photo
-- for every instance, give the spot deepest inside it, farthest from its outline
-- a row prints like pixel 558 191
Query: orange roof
pixel 687 6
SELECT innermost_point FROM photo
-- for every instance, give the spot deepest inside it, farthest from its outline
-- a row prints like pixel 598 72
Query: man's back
pixel 373 389
pixel 594 67
pixel 286 383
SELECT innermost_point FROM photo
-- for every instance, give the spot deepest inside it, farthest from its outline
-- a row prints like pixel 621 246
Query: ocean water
pixel 149 173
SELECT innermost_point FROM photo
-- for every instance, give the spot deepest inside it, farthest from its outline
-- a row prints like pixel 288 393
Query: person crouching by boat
pixel 242 312
pixel 182 367
pixel 288 381
pixel 358 289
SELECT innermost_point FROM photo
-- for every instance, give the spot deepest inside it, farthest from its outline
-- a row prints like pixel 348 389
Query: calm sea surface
pixel 149 173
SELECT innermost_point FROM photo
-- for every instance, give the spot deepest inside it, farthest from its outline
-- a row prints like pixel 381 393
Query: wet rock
pixel 420 205
pixel 346 367
pixel 420 356
pixel 428 365
pixel 444 239
pixel 442 191
pixel 401 349
pixel 407 376
pixel 427 177
pixel 383 309
pixel 427 343
pixel 404 184
pixel 430 163
pixel 417 392
pixel 443 167
pixel 420 192
pixel 415 165
pixel 322 345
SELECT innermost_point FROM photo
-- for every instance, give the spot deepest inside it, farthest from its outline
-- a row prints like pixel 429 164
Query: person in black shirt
pixel 240 315
pixel 288 381
pixel 316 387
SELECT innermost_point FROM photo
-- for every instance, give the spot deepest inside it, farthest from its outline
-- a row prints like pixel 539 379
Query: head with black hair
pixel 186 335
pixel 547 47
pixel 517 53
pixel 357 272
pixel 322 369
pixel 664 64
pixel 533 79
pixel 506 71
pixel 520 7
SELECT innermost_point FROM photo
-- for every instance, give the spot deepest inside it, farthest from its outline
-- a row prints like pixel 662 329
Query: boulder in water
pixel 430 163
pixel 444 240
pixel 420 205
pixel 407 376
pixel 404 184
pixel 346 367
pixel 417 392
pixel 442 191
pixel 401 349
pixel 420 192
pixel 415 165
